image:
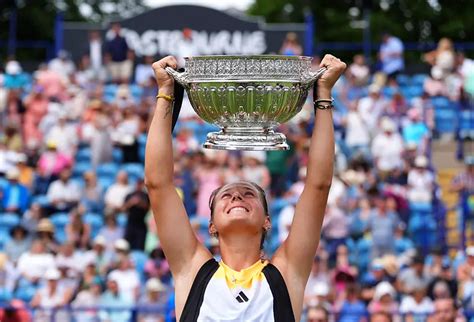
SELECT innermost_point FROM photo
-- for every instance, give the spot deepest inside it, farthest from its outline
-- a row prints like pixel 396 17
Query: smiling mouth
pixel 237 207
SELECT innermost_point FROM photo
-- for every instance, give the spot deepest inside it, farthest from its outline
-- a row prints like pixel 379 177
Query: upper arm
pixel 177 238
pixel 298 250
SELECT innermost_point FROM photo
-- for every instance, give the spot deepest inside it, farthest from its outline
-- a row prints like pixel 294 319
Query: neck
pixel 240 251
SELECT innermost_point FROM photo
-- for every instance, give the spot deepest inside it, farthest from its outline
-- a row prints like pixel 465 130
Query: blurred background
pixel 77 239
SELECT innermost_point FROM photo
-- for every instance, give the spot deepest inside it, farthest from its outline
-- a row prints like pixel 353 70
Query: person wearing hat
pixel 15 197
pixel 420 182
pixel 14 78
pixel 371 107
pixel 384 299
pixel 45 232
pixel 239 218
pixel 152 301
pixel 53 295
pixel 117 301
pixel 387 147
pixel 63 194
pixel 27 174
pixel 18 244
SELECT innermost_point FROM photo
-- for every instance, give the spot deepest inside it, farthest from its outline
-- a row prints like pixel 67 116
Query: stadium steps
pixel 450 199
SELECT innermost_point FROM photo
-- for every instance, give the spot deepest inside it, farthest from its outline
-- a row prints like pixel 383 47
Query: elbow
pixel 153 183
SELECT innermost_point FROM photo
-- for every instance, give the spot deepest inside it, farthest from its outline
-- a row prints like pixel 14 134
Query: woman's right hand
pixel 164 80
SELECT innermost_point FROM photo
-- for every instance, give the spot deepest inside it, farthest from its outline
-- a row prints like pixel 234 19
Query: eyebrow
pixel 227 190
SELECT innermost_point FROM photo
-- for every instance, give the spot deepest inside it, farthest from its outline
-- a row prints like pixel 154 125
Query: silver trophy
pixel 247 96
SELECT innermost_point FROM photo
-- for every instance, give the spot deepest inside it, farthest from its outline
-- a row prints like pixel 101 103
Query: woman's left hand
pixel 335 68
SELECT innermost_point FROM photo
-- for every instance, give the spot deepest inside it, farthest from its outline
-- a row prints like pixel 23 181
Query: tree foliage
pixel 411 20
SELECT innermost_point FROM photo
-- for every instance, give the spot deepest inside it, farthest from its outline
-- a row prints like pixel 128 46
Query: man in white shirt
pixel 63 194
pixel 34 264
pixel 391 55
pixel 64 134
pixel 371 107
pixel 116 193
pixel 62 64
pixel 387 147
pixel 127 279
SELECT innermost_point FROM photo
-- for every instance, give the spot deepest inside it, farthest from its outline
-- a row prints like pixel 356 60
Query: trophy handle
pixel 314 76
pixel 179 77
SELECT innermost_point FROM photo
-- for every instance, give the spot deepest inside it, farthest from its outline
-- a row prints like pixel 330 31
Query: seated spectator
pixel 144 71
pixel 384 300
pixel 443 57
pixel 291 45
pixel 434 85
pixel 69 260
pixel 335 230
pixel 116 301
pixel 8 274
pixel 416 306
pixel 387 148
pixel 89 298
pixel 358 132
pixel 126 135
pixel 92 195
pixel 54 84
pixel 98 255
pixel 317 314
pixel 352 309
pixel 420 182
pixel 12 137
pixel 152 302
pixel 67 132
pixel 63 194
pixel 359 72
pixel 33 265
pixel 52 162
pixel 45 233
pixel 26 175
pixel 157 266
pixel 15 196
pixel 111 232
pixel 382 224
pixel 403 244
pixel 445 311
pixel 463 183
pixel 416 131
pixel 116 193
pixel 77 231
pixel 127 279
pixel 19 244
pixel 62 64
pixel 413 275
pixel 254 168
pixel 50 297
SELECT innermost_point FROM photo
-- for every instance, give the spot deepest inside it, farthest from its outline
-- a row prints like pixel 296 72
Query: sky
pixel 217 4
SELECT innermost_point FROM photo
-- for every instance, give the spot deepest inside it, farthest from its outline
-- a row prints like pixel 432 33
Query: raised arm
pixel 296 254
pixel 180 245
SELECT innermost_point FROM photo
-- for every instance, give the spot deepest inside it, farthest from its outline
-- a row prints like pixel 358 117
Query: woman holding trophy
pixel 243 286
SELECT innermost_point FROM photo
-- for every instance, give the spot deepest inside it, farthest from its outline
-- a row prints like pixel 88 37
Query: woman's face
pixel 238 207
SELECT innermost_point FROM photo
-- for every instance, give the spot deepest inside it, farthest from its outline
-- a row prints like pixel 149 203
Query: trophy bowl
pixel 247 96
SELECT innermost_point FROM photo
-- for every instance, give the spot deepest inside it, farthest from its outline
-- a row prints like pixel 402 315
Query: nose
pixel 236 196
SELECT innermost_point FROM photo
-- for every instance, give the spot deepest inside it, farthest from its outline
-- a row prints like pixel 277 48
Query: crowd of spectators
pixel 75 224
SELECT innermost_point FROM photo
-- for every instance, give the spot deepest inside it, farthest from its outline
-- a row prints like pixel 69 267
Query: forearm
pixel 321 153
pixel 159 149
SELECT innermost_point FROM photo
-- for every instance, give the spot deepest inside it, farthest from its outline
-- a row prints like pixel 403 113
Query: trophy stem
pixel 246 138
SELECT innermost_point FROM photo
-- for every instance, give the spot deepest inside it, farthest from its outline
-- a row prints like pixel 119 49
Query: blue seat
pixel 403 80
pixel 4 238
pixel 60 220
pixel 117 155
pixel 122 219
pixel 83 155
pixel 139 258
pixel 105 181
pixel 80 168
pixel 466 124
pixel 25 293
pixel 107 169
pixel 135 170
pixel 5 295
pixel 142 139
pixel 441 102
pixel 95 221
pixel 419 79
pixel 42 200
pixel 9 220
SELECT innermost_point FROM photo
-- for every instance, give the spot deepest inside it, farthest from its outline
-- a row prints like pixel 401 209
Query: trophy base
pixel 252 139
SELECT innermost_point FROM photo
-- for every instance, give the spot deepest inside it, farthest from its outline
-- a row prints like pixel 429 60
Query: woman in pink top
pixel 36 108
pixel 53 162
